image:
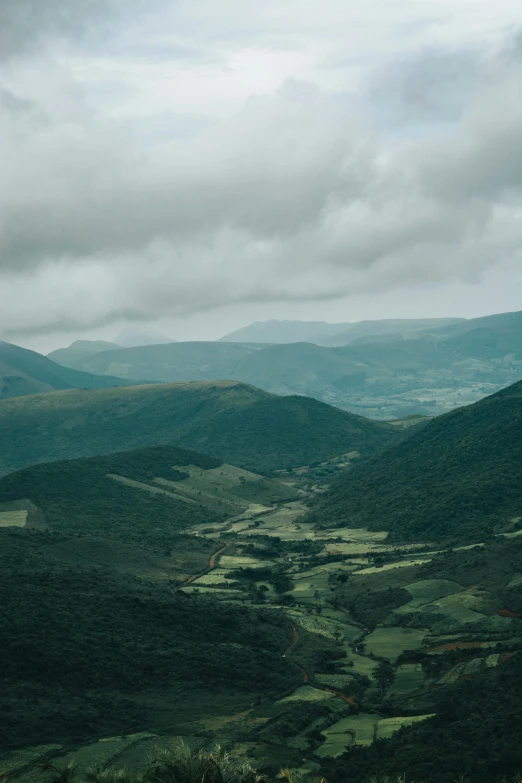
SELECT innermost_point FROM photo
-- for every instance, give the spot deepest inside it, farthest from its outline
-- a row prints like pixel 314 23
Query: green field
pixel 428 590
pixel 391 642
pixel 13 518
pixel 408 677
pixel 388 726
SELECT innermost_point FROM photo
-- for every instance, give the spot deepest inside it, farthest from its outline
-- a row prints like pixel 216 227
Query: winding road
pixel 211 566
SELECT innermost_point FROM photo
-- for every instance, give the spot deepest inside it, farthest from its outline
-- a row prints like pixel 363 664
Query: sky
pixel 190 166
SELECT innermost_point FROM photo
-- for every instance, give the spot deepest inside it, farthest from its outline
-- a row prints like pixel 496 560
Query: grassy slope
pixel 457 477
pixel 79 496
pixel 237 423
pixel 27 372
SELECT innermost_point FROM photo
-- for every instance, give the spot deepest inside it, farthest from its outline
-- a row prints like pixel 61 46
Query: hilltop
pixel 27 372
pixel 457 478
pixel 229 420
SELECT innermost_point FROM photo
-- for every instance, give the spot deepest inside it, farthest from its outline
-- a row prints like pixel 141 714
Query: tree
pixel 384 675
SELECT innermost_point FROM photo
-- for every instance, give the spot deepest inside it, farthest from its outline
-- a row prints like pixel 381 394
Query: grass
pixel 13 518
pixel 387 727
pixel 408 677
pixel 392 641
pixel 428 590
pixel 307 693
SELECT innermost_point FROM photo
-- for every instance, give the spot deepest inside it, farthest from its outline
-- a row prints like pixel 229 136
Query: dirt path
pixel 212 561
pixel 306 676
pixel 211 566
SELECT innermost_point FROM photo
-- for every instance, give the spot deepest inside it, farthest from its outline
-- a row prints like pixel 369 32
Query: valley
pixel 371 631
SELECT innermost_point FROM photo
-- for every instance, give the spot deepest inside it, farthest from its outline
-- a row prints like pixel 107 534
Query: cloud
pixel 299 194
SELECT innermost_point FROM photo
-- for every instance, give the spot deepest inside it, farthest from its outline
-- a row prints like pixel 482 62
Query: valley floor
pixel 375 630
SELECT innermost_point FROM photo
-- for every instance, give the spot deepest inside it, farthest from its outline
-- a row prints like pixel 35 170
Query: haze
pixel 191 167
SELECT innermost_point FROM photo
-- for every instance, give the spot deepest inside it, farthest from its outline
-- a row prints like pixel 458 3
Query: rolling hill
pixel 457 478
pixel 237 423
pixel 144 495
pixel 27 372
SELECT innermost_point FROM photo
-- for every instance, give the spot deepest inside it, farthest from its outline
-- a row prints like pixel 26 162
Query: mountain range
pixel 428 373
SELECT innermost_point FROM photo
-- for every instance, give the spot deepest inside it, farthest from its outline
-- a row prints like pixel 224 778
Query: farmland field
pixel 13 518
pixel 391 642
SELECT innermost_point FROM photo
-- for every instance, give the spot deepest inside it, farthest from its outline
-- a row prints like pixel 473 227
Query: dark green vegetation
pixel 476 733
pixel 88 651
pixel 377 368
pixel 144 496
pixel 456 478
pixel 88 495
pixel 27 372
pixel 232 421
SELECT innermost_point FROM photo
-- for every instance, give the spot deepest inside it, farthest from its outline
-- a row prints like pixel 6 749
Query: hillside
pixel 27 372
pixel 144 496
pixel 97 652
pixel 457 478
pixel 377 377
pixel 232 421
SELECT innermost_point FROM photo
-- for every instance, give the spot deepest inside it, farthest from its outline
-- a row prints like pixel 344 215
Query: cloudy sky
pixel 189 166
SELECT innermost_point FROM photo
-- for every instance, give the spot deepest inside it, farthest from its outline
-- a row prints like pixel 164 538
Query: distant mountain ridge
pixel 323 333
pixel 381 376
pixel 25 372
pixel 459 477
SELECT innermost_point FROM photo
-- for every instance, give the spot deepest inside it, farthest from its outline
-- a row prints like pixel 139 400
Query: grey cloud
pixel 292 198
pixel 26 24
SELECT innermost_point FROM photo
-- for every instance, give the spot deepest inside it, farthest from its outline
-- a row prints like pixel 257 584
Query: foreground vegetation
pixel 179 763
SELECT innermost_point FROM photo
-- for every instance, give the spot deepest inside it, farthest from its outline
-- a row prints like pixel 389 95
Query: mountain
pixel 130 339
pixel 427 375
pixel 27 372
pixel 235 422
pixel 171 362
pixel 387 330
pixel 80 348
pixel 274 331
pixel 456 478
pixel 323 333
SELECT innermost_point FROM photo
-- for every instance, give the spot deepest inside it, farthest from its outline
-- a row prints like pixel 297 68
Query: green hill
pixel 146 495
pixel 456 478
pixel 25 372
pixel 232 421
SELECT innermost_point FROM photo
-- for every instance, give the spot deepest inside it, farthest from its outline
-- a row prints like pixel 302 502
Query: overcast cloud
pixel 169 159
